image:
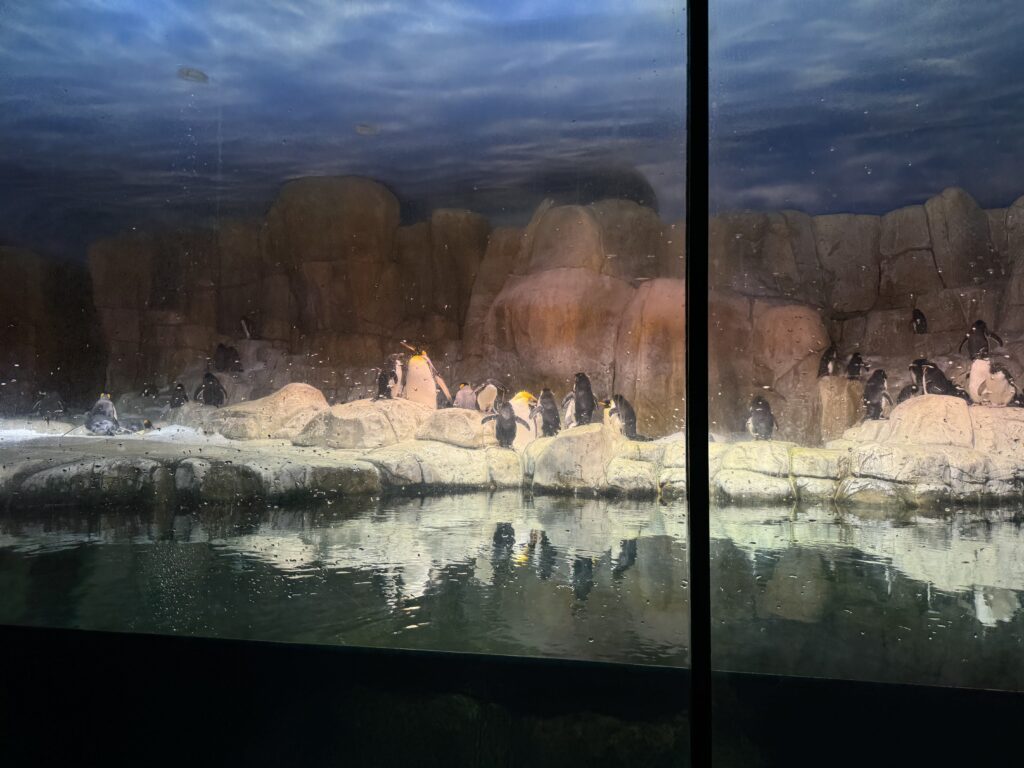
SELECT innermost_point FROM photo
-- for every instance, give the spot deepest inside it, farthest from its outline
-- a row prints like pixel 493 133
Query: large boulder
pixel 416 463
pixel 903 230
pixel 364 424
pixel 574 460
pixel 960 239
pixel 847 247
pixel 457 426
pixel 282 415
pixel 632 238
pixel 650 356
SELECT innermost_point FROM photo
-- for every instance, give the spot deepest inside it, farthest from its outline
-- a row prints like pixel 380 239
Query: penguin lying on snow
pixel 623 409
pixel 875 393
pixel 102 419
pixel 761 423
pixel 505 426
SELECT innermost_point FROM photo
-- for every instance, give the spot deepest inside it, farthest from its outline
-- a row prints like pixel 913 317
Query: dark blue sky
pixel 471 104
pixel 859 105
pixel 865 105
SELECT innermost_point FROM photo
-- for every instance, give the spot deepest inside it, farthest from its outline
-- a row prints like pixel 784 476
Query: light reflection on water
pixel 815 592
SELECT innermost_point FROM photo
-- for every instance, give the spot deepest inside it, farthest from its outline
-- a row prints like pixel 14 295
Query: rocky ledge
pixel 932 451
pixel 293 447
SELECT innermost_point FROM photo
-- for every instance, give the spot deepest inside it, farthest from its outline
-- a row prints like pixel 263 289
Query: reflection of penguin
pixel 465 397
pixel 829 365
pixel 102 418
pixel 930 380
pixel 977 340
pixel 505 426
pixel 627 416
pixel 548 409
pixel 178 395
pixel 583 398
pixel 626 558
pixel 761 423
pixel 920 323
pixel 582 577
pixel 856 366
pixel 211 391
pixel 875 395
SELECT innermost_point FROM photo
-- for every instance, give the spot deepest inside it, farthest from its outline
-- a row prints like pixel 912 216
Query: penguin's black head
pixel 918 314
pixel 209 377
pixel 878 377
pixel 979 325
pixel 758 403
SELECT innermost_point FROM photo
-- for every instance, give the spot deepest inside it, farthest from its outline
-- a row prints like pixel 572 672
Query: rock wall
pixel 48 334
pixel 785 285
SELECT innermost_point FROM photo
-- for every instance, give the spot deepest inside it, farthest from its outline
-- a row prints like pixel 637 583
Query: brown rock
pixel 672 261
pixel 502 248
pixel 905 229
pixel 960 239
pixel 632 236
pixel 650 356
pixel 458 243
pixel 840 406
pixel 558 322
pixel 730 365
pixel 566 236
pixel 907 276
pixel 847 248
pixel 998 237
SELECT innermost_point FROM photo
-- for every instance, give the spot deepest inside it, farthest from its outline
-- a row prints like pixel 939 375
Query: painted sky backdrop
pixel 824 106
pixel 483 105
pixel 865 105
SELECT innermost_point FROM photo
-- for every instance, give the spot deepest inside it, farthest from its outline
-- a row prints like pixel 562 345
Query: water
pixel 934 600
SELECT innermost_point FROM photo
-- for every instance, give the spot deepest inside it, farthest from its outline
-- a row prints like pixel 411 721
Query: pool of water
pixel 921 599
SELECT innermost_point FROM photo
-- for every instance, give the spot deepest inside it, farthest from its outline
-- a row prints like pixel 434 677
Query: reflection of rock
pixel 798 589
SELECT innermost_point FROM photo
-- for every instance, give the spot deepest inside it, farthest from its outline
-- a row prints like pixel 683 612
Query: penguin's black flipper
pixel 996 337
pixel 613 412
pixel 567 398
pixel 485 419
pixel 962 342
pixel 524 422
pixel 887 397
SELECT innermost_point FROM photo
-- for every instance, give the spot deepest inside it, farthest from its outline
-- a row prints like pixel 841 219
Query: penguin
pixel 465 397
pixel 49 405
pixel 547 407
pixel 856 366
pixel 102 417
pixel 505 426
pixel 920 323
pixel 150 390
pixel 211 391
pixel 875 395
pixel 488 395
pixel 226 359
pixel 582 396
pixel 422 382
pixel 624 410
pixel 977 340
pixel 906 393
pixel 829 365
pixel 930 380
pixel 1000 387
pixel 249 327
pixel 178 395
pixel 523 404
pixel 386 377
pixel 761 423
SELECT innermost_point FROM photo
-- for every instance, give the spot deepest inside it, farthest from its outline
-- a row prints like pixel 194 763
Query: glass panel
pixel 865 335
pixel 346 323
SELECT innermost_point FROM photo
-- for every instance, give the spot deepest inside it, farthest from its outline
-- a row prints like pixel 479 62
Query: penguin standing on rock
pixel 465 397
pixel 582 396
pixel 1001 389
pixel 551 423
pixel 920 323
pixel 489 395
pixel 856 367
pixel 505 426
pixel 977 341
pixel 627 416
pixel 930 380
pixel 829 365
pixel 907 392
pixel 875 395
pixel 761 423
pixel 386 378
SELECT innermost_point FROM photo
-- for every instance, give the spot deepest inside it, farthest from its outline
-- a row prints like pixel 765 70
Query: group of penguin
pixel 416 379
pixel 926 378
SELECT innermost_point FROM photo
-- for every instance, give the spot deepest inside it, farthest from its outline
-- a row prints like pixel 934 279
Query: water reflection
pixel 490 573
pixel 815 592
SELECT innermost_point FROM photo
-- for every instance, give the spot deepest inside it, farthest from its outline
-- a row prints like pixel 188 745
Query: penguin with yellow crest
pixel 423 384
